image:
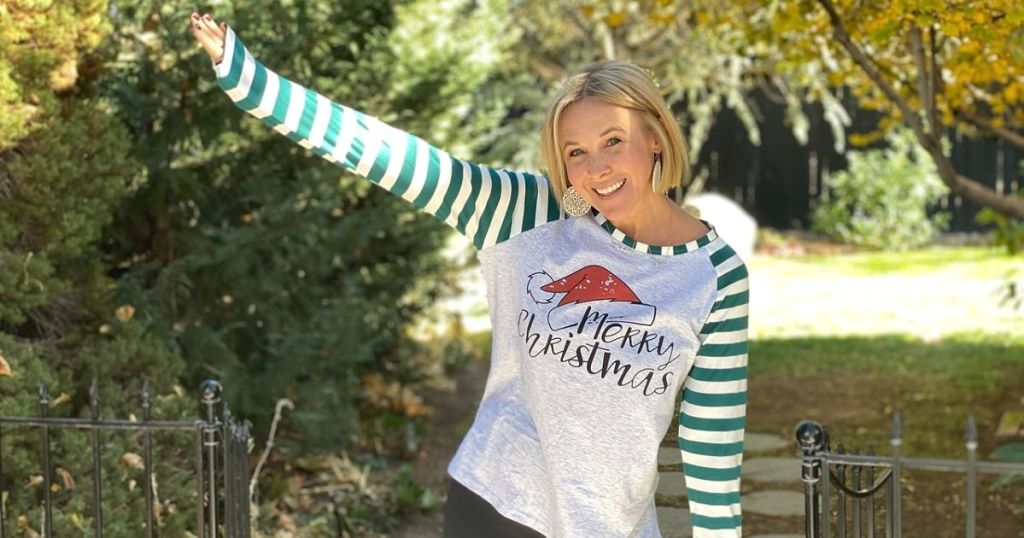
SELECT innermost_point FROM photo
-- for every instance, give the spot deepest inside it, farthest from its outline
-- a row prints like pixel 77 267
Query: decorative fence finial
pixel 810 436
pixel 971 438
pixel 210 391
pixel 94 399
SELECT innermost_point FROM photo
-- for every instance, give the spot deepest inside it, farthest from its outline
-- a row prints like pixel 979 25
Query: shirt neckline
pixel 639 246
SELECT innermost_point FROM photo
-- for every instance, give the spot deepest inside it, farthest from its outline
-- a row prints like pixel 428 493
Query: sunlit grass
pixel 979 262
pixel 928 294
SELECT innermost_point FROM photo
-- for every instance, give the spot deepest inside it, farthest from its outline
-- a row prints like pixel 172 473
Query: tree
pixel 260 263
pixel 932 65
pixel 65 165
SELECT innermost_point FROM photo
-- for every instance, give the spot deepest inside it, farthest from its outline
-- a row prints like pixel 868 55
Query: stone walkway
pixel 776 489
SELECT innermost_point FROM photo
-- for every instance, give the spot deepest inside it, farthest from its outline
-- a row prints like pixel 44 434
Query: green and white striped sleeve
pixel 712 416
pixel 486 205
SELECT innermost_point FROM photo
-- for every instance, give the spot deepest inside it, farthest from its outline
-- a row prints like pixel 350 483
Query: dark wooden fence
pixel 779 180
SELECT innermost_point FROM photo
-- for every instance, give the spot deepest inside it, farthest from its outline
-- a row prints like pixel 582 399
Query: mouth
pixel 610 190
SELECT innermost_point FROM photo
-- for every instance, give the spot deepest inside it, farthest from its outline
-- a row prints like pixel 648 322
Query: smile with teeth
pixel 611 188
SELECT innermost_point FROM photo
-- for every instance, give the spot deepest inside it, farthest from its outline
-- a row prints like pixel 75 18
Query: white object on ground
pixel 732 222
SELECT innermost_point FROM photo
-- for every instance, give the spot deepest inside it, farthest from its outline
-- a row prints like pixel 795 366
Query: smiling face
pixel 608 154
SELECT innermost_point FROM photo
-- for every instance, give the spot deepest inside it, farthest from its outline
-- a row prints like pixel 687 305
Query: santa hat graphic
pixel 605 294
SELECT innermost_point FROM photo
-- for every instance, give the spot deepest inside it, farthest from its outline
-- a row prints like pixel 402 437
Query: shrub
pixel 882 200
pixel 1007 231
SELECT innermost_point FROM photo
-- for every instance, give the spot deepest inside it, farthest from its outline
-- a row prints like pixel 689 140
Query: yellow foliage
pixel 979 50
pixel 615 18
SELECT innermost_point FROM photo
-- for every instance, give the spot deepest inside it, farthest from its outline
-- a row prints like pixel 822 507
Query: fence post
pixel 147 452
pixel 210 392
pixel 896 440
pixel 811 438
pixel 44 412
pixel 2 522
pixel 97 471
pixel 971 440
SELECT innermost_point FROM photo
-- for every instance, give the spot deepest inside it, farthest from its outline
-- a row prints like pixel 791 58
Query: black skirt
pixel 467 515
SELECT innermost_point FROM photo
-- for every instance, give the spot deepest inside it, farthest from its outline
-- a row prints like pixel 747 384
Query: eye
pixel 613 141
pixel 575 152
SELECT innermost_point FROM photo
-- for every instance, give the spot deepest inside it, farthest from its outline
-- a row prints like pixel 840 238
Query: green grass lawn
pixel 848 339
pixel 930 293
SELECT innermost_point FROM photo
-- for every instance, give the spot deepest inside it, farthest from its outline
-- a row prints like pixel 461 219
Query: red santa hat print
pixel 590 294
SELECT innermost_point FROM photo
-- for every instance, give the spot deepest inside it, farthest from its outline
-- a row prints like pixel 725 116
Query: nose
pixel 597 168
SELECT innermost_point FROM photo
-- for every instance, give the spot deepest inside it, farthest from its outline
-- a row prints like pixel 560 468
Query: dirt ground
pixel 453 415
pixel 931 501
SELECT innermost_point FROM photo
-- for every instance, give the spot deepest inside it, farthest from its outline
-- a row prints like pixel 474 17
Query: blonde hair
pixel 629 86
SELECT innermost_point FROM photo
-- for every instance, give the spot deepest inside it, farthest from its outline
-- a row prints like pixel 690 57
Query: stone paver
pixel 674 522
pixel 669 455
pixel 772 469
pixel 1011 424
pixel 672 483
pixel 763 442
pixel 774 503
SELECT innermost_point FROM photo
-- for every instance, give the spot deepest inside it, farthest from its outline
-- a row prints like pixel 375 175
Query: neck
pixel 648 223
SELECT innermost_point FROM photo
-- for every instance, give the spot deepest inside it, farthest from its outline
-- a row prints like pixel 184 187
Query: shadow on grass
pixel 853 385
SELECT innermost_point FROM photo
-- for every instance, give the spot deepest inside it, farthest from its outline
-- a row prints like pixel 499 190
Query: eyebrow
pixel 611 129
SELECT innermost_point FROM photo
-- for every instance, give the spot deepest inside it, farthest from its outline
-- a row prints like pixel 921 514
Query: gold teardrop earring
pixel 573 203
pixel 656 173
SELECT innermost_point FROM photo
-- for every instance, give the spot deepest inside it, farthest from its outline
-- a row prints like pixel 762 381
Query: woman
pixel 607 301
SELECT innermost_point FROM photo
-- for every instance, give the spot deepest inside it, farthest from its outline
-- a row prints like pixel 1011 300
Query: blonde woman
pixel 608 302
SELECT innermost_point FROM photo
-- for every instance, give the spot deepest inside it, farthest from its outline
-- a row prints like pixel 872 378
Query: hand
pixel 209 34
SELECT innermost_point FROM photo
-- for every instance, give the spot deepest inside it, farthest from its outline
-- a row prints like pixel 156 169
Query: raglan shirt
pixel 595 334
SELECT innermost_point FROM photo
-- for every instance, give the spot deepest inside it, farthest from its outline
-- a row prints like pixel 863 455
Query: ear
pixel 655 146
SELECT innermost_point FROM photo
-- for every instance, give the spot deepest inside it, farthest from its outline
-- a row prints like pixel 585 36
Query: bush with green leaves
pixel 151 231
pixel 882 200
pixel 1007 232
pixel 260 263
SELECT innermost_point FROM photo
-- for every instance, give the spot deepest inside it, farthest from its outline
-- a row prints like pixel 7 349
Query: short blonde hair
pixel 629 86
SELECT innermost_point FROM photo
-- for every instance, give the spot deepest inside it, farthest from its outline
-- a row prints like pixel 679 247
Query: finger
pixel 210 23
pixel 221 30
pixel 198 28
pixel 210 28
pixel 212 46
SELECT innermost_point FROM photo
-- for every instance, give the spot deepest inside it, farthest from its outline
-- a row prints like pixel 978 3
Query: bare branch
pixel 938 85
pixel 1012 206
pixel 984 123
pixel 281 404
pixel 543 64
pixel 609 43
pixel 961 185
pixel 865 63
pixel 924 87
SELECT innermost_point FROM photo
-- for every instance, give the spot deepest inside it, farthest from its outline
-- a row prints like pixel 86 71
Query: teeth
pixel 612 188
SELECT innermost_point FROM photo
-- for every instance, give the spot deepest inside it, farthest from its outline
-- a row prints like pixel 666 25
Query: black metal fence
pixel 220 489
pixel 847 492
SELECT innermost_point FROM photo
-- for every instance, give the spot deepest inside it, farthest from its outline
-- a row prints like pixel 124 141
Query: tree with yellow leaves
pixel 933 65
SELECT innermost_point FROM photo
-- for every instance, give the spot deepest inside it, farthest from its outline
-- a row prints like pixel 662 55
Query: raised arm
pixel 486 205
pixel 712 415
